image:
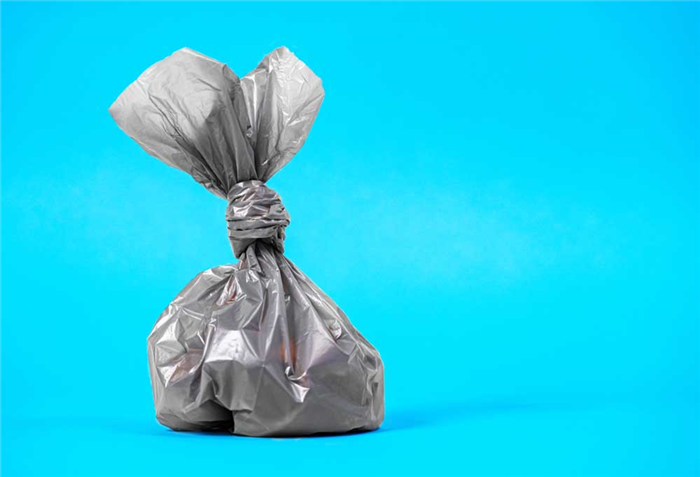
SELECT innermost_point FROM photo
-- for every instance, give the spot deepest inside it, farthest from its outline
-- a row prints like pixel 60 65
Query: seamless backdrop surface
pixel 504 199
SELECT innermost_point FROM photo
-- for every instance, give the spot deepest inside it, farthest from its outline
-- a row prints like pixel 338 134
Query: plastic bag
pixel 254 347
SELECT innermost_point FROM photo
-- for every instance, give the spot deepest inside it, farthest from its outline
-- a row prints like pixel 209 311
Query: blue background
pixel 504 198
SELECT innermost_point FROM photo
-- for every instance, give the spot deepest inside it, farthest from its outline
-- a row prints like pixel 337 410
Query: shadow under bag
pixel 254 347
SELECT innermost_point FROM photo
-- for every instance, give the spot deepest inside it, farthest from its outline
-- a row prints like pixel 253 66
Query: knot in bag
pixel 255 212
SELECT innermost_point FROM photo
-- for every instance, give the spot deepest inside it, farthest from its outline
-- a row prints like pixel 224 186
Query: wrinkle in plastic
pixel 256 347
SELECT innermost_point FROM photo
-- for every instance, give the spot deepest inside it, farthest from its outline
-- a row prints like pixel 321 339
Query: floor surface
pixel 488 438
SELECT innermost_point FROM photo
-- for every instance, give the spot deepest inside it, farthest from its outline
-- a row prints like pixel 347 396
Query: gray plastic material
pixel 255 347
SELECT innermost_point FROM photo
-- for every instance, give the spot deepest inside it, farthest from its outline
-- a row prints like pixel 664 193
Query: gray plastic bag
pixel 254 347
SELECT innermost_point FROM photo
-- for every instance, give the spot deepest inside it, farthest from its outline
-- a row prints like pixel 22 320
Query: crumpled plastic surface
pixel 256 347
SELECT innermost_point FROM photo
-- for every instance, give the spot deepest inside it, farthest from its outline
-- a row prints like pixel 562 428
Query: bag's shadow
pixel 448 412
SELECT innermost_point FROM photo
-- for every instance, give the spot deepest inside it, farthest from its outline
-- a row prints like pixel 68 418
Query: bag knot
pixel 255 212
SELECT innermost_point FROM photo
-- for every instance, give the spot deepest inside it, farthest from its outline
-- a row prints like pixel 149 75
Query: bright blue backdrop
pixel 504 198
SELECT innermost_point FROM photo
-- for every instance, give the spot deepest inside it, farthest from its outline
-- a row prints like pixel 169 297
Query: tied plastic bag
pixel 254 347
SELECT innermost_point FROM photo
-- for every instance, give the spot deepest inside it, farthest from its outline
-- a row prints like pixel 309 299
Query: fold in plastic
pixel 254 347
